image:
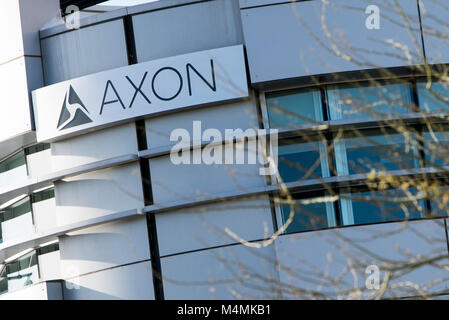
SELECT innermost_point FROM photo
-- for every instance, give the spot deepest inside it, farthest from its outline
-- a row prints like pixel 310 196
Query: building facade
pixel 94 205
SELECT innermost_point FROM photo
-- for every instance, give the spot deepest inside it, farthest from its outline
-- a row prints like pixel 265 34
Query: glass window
pixel 24 262
pixel 350 101
pixel 37 148
pixel 15 210
pixel 436 146
pixel 381 150
pixel 380 206
pixel 433 96
pixel 22 272
pixel 309 214
pixel 288 109
pixel 48 249
pixel 43 195
pixel 13 162
pixel 439 201
pixel 302 159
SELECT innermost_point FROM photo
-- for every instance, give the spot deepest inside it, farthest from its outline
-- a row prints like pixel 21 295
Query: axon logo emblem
pixel 141 90
pixel 74 112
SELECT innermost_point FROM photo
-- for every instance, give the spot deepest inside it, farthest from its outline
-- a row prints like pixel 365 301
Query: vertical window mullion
pixel 330 152
pixel 415 98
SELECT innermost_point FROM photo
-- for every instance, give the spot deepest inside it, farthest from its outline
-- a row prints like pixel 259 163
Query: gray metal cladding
pixel 296 39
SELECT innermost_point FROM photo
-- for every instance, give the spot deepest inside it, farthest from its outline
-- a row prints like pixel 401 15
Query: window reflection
pixel 372 101
pixel 361 150
pixel 380 206
pixel 15 210
pixel 22 272
pixel 309 214
pixel 436 146
pixel 439 203
pixel 433 96
pixel 16 218
pixel 381 150
pixel 299 159
pixel 13 162
pixel 289 109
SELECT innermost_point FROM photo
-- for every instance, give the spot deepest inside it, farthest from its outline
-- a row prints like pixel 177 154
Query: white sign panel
pixel 72 107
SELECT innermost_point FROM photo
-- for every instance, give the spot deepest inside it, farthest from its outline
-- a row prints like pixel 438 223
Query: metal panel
pixel 435 30
pixel 12 176
pixel 95 146
pixel 204 226
pixel 234 272
pixel 258 3
pixel 188 28
pixel 34 15
pixel 17 79
pixel 44 214
pixel 86 19
pixel 242 114
pixel 202 178
pixel 105 246
pixel 17 228
pixel 49 266
pixel 10 20
pixel 87 50
pixel 83 197
pixel 15 189
pixel 344 254
pixel 34 240
pixel 39 291
pixel 315 37
pixel 20 21
pixel 127 282
pixel 79 3
pixel 39 163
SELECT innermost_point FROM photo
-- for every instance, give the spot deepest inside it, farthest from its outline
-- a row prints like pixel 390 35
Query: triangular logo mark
pixel 74 112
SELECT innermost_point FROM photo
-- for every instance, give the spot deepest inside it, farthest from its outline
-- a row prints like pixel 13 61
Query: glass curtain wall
pixel 348 151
